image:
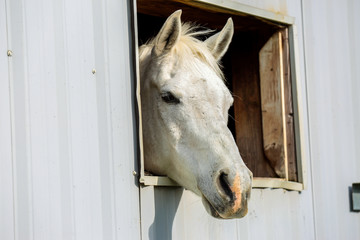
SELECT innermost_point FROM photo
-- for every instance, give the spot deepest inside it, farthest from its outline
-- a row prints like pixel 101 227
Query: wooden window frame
pixel 229 7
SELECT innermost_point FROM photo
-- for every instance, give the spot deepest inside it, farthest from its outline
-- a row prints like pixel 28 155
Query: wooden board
pixel 289 112
pixel 276 105
pixel 272 104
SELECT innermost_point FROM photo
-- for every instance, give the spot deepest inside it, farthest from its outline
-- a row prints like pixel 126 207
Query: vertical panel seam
pixel 11 108
pixel 69 136
pixel 109 103
pixel 110 120
pixel 27 109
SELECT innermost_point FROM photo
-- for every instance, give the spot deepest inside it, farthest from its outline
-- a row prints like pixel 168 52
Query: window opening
pixel 257 67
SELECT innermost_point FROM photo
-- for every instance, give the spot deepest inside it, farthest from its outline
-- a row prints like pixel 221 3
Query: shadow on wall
pixel 166 205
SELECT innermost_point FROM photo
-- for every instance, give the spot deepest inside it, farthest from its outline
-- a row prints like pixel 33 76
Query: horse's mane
pixel 187 48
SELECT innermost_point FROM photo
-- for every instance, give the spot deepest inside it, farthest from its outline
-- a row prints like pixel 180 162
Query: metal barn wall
pixel 330 82
pixel 68 135
pixel 68 126
pixel 332 38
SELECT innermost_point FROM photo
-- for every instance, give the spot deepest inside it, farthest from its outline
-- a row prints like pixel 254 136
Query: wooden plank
pixel 271 80
pixel 276 97
pixel 289 112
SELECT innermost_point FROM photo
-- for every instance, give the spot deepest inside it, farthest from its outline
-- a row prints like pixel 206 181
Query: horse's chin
pixel 216 214
pixel 210 209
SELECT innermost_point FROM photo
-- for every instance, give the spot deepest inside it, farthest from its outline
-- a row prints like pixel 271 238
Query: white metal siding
pixel 332 38
pixel 170 213
pixel 68 136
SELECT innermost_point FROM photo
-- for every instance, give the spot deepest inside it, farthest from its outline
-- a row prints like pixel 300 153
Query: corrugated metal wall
pixel 332 38
pixel 68 134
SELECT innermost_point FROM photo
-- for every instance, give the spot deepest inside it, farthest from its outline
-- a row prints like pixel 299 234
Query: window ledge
pixel 257 183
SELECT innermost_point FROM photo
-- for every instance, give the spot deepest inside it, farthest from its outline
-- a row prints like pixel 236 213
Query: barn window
pixel 261 70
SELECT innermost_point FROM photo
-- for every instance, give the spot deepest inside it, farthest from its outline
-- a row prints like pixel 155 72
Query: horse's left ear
pixel 169 34
pixel 219 43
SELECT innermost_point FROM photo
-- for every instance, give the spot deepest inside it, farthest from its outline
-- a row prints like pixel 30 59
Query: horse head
pixel 185 105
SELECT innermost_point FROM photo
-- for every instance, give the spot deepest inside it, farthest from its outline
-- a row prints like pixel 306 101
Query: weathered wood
pixel 272 104
pixel 276 103
pixel 289 112
pixel 247 109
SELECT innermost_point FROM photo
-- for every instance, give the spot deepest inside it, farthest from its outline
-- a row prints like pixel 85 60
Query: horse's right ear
pixel 169 34
pixel 219 43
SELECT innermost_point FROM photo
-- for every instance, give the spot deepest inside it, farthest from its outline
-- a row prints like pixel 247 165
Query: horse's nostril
pixel 224 186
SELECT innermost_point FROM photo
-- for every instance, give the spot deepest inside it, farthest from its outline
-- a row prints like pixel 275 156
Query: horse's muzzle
pixel 233 192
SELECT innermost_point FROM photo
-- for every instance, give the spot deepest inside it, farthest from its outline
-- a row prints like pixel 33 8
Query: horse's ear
pixel 219 43
pixel 169 34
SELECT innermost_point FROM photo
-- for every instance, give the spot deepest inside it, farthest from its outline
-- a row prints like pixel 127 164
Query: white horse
pixel 185 107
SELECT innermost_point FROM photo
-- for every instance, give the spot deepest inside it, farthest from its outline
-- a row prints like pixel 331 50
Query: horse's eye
pixel 168 97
